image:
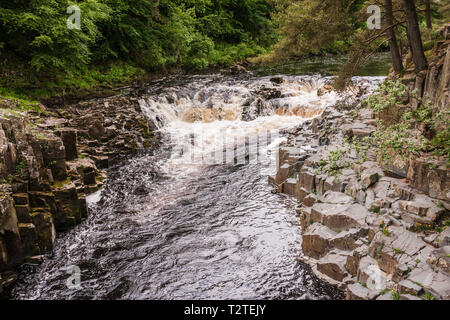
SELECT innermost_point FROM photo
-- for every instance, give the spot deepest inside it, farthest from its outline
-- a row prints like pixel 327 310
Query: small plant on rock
pixel 388 94
pixel 395 295
pixel 429 296
pixel 20 167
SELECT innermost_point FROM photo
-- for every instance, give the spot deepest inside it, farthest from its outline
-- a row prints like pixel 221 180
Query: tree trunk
pixel 428 14
pixel 414 37
pixel 390 33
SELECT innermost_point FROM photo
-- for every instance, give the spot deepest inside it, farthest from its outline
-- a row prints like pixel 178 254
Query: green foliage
pixel 395 295
pixel 334 163
pixel 429 296
pixel 22 103
pixel 411 134
pixel 37 32
pixel 313 27
pixel 441 141
pixel 396 140
pixel 20 167
pixel 388 94
pixel 120 40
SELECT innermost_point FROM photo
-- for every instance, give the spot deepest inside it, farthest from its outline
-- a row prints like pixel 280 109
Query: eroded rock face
pixel 376 231
pixel 47 168
pixel 339 217
pixel 316 241
pixel 431 178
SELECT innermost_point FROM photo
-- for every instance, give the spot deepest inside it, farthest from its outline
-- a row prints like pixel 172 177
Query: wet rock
pixel 306 179
pixel 370 274
pixel 52 123
pixel 402 191
pixel 357 129
pixel 23 213
pixel 21 199
pixel 435 283
pixel 288 187
pixel 389 247
pixel 285 171
pixel 353 260
pixel 257 108
pixel 333 197
pixel 7 279
pixel 34 260
pixel 386 296
pixel 101 162
pixel 68 212
pixel 309 200
pixel 422 209
pixel 28 236
pixel 268 93
pixel 85 168
pixel 45 229
pixel 277 80
pixel 431 239
pixel 54 155
pixel 96 130
pixel 237 69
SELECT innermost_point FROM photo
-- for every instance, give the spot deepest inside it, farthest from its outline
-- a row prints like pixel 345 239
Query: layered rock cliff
pixel 50 159
pixel 376 229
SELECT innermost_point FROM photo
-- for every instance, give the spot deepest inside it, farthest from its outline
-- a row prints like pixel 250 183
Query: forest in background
pixel 121 41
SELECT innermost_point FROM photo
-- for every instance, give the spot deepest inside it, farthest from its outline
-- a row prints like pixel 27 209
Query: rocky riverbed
pixel 362 229
pixel 376 231
pixel 50 159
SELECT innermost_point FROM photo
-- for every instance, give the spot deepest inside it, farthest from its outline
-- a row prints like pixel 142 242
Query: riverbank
pixel 51 159
pixel 373 203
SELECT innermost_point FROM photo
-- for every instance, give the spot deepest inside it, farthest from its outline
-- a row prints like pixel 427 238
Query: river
pixel 176 223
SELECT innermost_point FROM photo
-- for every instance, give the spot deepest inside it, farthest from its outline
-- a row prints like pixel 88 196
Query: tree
pixel 36 31
pixel 414 37
pixel 314 26
pixel 390 33
pixel 428 14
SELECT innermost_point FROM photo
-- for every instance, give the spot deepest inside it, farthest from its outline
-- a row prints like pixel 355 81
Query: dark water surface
pixel 218 233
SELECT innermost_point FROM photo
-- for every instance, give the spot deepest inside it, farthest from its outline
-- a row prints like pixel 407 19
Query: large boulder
pixel 316 240
pixel 333 266
pixel 339 217
pixel 431 178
